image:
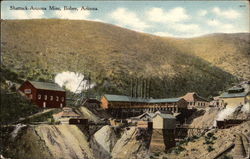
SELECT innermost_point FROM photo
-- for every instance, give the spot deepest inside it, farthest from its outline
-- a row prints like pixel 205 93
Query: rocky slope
pixel 232 142
pixel 117 143
pixel 50 141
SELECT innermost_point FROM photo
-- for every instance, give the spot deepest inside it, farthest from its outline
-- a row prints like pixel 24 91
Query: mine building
pixel 235 96
pixel 195 101
pixel 216 102
pixel 126 103
pixel 44 94
pixel 91 103
pixel 163 135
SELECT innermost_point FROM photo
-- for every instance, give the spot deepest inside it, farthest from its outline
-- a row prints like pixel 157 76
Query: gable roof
pixel 165 116
pixel 122 98
pixel 46 86
pixel 153 115
pixel 192 96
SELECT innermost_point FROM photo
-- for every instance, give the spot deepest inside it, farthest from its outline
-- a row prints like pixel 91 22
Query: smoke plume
pixel 224 113
pixel 73 81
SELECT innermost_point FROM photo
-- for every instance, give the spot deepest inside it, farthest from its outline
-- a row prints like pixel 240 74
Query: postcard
pixel 125 79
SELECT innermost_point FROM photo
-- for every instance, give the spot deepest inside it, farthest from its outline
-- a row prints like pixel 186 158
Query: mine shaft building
pixel 118 102
pixel 236 96
pixel 163 135
pixel 44 94
pixel 195 101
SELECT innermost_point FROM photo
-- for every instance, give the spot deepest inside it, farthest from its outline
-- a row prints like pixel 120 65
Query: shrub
pixel 210 135
pixel 226 157
pixel 210 148
pixel 179 149
pixel 14 107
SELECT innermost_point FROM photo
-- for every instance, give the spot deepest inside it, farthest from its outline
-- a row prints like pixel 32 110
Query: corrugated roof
pixel 233 95
pixel 46 86
pixel 121 98
pixel 165 100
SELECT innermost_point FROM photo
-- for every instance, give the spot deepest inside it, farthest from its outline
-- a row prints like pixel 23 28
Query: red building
pixel 43 94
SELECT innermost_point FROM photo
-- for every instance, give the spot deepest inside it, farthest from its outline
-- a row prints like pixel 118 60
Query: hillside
pixel 39 49
pixel 230 52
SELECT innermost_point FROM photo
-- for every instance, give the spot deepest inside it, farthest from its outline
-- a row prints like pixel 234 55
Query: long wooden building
pixel 114 102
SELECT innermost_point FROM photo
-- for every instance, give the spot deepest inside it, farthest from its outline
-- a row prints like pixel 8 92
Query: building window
pixel 45 97
pixel 27 91
pixel 30 96
pixel 51 97
pixel 39 96
pixel 62 99
pixel 57 98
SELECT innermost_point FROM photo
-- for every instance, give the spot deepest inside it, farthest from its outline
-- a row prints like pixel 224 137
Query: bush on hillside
pixel 14 107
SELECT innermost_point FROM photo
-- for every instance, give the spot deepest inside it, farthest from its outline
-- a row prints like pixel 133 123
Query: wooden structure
pixel 79 121
pixel 44 94
pixel 195 101
pixel 235 96
pixel 127 103
pixel 144 124
pixel 66 115
pixel 163 121
pixel 216 102
pixel 227 123
pixel 163 135
pixel 92 103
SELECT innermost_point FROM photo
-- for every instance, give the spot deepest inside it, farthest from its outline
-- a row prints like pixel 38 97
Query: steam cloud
pixel 225 113
pixel 73 81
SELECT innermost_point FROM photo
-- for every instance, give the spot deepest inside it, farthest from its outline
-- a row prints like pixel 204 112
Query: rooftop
pixel 46 86
pixel 235 91
pixel 192 96
pixel 66 114
pixel 122 98
pixel 152 115
pixel 165 116
pixel 233 95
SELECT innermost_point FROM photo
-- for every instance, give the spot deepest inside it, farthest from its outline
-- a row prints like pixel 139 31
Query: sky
pixel 162 18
